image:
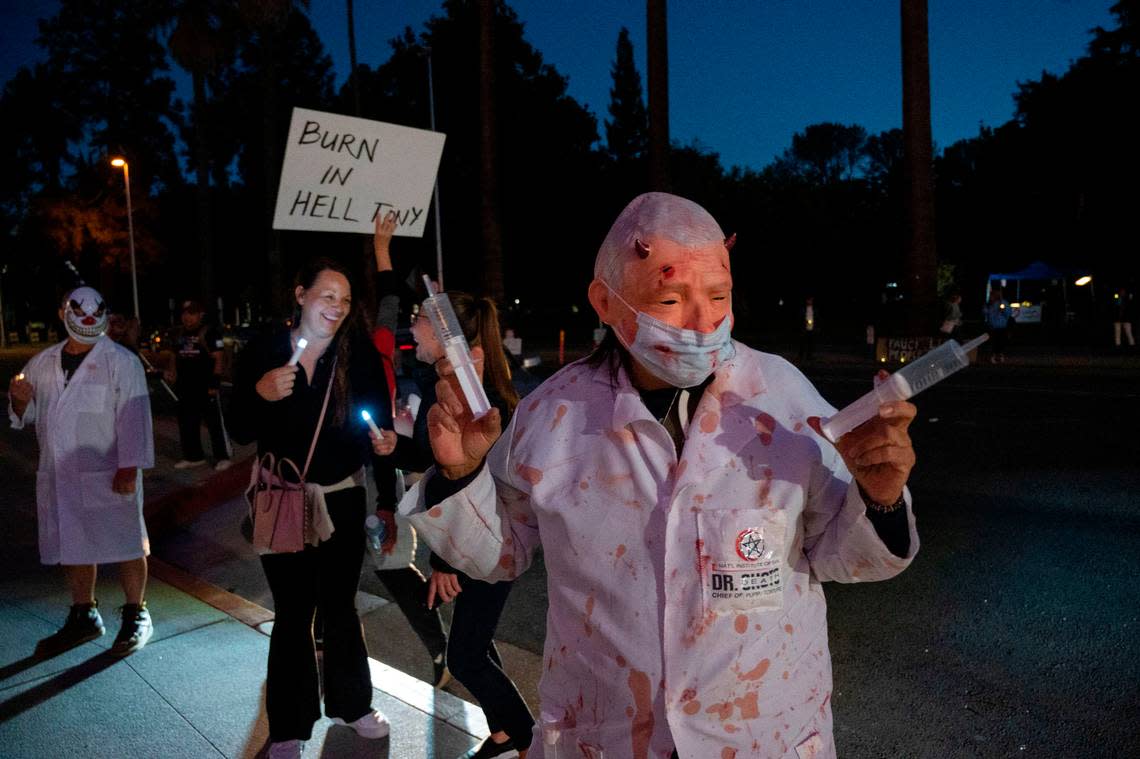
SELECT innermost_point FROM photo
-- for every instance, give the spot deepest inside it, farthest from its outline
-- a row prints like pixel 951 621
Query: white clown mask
pixel 85 315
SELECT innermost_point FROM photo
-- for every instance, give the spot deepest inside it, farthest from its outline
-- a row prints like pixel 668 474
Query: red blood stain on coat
pixel 680 470
pixel 765 425
pixel 620 661
pixel 688 694
pixel 584 485
pixel 691 707
pixel 507 562
pixel 561 412
pixel 709 422
pixel 704 560
pixel 799 426
pixel 727 753
pixel 785 677
pixel 722 710
pixel 748 707
pixel 529 473
pixel 622 436
pixel 534 404
pixel 619 551
pixel 741 624
pixel 789 629
pixel 435 512
pixel 700 628
pixel 731 728
pixel 642 728
pixel 756 672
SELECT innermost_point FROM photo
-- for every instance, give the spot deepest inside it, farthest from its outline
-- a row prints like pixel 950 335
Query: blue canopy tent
pixel 1039 271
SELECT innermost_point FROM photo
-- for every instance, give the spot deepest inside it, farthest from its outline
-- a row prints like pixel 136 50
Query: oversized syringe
pixel 924 372
pixel 450 336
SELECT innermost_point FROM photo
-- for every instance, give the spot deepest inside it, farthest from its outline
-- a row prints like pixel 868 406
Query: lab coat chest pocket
pixel 91 398
pixel 742 555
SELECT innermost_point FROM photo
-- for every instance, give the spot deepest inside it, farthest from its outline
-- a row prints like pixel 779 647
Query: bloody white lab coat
pixel 99 422
pixel 686 605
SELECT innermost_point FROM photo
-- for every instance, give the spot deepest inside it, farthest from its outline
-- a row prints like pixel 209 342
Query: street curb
pixel 246 612
pixel 187 503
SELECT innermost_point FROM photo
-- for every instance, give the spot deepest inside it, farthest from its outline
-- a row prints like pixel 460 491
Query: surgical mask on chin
pixel 681 357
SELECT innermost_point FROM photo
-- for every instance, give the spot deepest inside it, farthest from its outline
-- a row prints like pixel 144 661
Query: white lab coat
pixel 685 600
pixel 99 422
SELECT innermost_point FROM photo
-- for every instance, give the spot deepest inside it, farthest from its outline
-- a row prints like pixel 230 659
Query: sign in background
pixel 340 172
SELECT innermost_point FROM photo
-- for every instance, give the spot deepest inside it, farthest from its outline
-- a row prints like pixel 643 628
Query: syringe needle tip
pixel 975 342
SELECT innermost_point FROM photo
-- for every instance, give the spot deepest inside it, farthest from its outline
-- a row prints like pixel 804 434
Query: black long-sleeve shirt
pixel 285 427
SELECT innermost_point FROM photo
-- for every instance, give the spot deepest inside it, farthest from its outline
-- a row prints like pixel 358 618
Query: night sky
pixel 745 75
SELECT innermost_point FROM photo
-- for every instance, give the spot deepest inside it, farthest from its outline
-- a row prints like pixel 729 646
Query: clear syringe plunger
pixel 924 372
pixel 450 336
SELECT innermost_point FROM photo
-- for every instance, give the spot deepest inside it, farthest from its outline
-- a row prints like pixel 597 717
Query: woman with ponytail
pixel 471 654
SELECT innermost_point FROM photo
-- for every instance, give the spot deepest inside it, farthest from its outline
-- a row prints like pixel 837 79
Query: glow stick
pixel 371 424
pixel 301 343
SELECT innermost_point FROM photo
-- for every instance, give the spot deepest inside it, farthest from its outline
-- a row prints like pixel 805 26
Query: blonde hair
pixel 479 320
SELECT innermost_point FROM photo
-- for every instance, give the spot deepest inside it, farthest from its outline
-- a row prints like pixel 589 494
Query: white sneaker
pixel 371 725
pixel 223 465
pixel 286 750
pixel 185 464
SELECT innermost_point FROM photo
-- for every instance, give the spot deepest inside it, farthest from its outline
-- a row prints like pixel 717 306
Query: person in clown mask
pixel 688 507
pixel 89 402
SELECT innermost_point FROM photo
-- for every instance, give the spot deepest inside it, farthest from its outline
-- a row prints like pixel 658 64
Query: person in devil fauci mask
pixel 688 507
pixel 88 400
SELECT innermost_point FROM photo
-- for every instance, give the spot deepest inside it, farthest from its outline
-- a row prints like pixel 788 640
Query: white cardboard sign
pixel 340 172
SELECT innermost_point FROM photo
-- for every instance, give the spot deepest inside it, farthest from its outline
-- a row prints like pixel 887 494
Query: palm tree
pixel 921 265
pixel 268 19
pixel 488 164
pixel 657 43
pixel 201 42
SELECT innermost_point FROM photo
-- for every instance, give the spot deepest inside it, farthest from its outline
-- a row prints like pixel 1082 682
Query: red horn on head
pixel 641 248
pixel 730 241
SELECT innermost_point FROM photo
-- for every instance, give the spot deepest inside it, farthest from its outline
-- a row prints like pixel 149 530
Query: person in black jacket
pixel 472 656
pixel 279 406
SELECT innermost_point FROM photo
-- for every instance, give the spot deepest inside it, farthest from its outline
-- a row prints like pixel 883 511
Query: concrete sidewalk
pixel 197 689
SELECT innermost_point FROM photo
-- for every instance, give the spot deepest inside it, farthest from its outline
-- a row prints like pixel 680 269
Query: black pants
pixel 325 577
pixel 474 660
pixel 410 590
pixel 194 405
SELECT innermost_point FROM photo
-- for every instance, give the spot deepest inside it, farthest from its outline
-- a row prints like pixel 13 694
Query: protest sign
pixel 339 172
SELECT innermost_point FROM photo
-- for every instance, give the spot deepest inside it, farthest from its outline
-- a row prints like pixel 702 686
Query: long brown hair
pixel 479 320
pixel 350 328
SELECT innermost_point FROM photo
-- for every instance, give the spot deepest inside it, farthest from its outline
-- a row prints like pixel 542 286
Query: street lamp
pixel 122 163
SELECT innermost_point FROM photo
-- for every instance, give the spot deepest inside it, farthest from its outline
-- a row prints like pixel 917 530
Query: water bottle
pixel 374 530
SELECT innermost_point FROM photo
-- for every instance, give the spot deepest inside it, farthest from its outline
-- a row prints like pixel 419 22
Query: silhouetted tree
pixel 627 129
pixel 202 41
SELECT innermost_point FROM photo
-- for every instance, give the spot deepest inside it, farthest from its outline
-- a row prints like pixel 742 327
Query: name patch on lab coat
pixel 744 555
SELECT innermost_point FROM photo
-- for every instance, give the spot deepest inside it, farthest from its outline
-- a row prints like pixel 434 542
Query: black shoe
pixel 135 631
pixel 442 676
pixel 488 748
pixel 83 624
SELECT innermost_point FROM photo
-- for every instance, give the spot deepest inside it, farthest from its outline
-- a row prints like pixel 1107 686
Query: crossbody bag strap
pixel 321 421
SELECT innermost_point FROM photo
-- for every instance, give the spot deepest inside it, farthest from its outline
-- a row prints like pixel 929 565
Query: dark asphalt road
pixel 1015 631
